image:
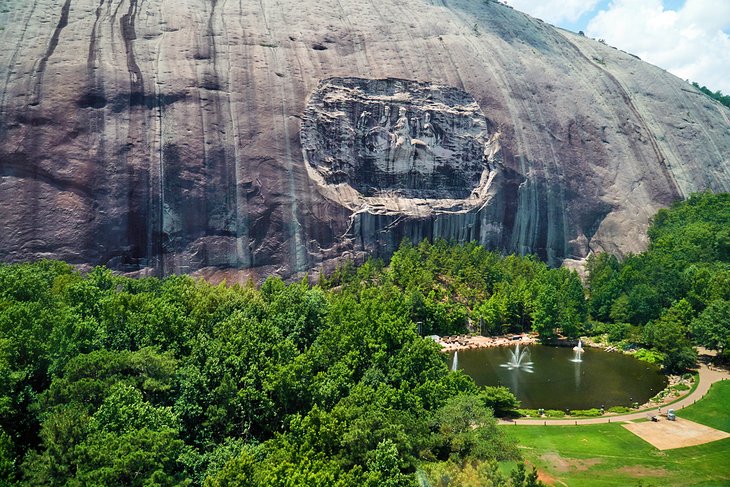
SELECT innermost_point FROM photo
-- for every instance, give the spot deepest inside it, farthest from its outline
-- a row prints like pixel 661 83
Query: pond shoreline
pixel 668 395
pixel 467 342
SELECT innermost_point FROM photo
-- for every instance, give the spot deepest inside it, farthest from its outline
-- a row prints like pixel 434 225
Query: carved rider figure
pixel 491 148
pixel 401 152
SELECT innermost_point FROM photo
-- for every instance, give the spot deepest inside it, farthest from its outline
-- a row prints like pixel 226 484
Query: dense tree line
pixel 107 380
pixel 452 288
pixel 677 292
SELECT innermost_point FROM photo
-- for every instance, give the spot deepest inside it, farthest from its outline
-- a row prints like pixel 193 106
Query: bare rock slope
pixel 226 137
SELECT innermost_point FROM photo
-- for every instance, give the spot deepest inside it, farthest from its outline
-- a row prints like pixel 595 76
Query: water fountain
pixel 558 383
pixel 455 363
pixel 577 351
pixel 517 360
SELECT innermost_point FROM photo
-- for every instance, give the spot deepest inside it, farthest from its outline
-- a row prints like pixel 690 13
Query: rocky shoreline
pixel 466 342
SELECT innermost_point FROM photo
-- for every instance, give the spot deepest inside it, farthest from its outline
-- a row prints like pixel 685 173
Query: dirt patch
pixel 640 471
pixel 561 464
pixel 666 435
pixel 545 477
pixel 542 475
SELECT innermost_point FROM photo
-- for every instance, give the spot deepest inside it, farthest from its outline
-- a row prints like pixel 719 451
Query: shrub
pixel 615 332
pixel 554 413
pixel 586 413
pixel 649 356
pixel 619 409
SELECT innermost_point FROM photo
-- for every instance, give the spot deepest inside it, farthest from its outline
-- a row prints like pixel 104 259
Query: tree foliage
pixel 107 380
pixel 674 293
pixel 712 327
pixel 717 95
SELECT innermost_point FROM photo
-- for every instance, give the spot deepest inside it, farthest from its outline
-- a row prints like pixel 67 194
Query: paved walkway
pixel 707 377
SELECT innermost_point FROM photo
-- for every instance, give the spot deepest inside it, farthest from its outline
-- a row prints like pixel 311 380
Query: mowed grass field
pixel 610 455
pixel 713 410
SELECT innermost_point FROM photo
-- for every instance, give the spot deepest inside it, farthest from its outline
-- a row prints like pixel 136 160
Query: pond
pixel 561 378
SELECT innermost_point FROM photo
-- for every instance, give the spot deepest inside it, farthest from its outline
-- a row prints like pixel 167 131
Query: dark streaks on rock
pixel 675 192
pixel 17 166
pixel 143 228
pixel 92 99
pixel 12 62
pixel 62 23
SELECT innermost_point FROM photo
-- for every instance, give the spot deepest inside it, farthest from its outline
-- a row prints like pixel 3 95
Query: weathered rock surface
pixel 398 147
pixel 218 136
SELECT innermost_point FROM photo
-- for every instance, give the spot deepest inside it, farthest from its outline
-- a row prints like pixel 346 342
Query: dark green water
pixel 600 379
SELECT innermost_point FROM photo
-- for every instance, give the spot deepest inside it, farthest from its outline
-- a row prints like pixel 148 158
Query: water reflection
pixel 558 382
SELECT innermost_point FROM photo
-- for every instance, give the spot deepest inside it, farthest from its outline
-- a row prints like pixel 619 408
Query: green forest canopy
pixel 106 379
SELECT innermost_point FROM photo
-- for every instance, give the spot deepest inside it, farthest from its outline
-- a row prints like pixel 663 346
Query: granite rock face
pixel 236 138
pixel 396 137
pixel 398 147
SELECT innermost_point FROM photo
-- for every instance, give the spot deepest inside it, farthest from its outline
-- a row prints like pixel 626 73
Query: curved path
pixel 707 377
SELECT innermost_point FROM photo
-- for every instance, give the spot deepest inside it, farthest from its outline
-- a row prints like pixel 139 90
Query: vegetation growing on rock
pixel 717 95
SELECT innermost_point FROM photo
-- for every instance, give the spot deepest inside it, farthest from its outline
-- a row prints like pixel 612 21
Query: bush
pixel 649 356
pixel 591 327
pixel 615 332
pixel 680 387
pixel 528 412
pixel 586 413
pixel 554 413
pixel 619 409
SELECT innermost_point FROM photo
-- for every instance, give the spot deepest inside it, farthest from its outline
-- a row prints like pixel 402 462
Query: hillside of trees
pixel 675 294
pixel 717 95
pixel 108 380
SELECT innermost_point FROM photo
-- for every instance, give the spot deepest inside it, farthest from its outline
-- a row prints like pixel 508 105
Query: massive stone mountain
pixel 229 137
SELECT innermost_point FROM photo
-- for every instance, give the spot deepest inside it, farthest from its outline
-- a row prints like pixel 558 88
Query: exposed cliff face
pixel 213 135
pixel 398 147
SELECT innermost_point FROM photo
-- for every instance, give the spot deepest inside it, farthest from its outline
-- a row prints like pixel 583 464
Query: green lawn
pixel 713 410
pixel 609 455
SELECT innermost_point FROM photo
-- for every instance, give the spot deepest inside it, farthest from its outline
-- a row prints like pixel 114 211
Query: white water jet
pixel 455 363
pixel 518 360
pixel 577 351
